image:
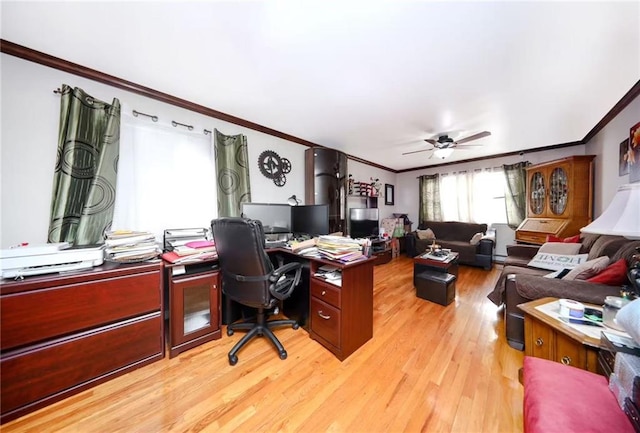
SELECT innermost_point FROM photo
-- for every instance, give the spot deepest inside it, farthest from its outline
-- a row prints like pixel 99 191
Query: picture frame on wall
pixel 634 153
pixel 388 194
pixel 623 163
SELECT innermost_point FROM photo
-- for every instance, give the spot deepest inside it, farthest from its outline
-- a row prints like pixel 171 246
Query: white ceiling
pixel 369 78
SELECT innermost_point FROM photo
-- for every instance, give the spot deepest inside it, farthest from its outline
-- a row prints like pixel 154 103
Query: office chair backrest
pixel 244 263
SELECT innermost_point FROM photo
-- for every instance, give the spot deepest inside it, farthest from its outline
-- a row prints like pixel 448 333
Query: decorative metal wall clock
pixel 273 167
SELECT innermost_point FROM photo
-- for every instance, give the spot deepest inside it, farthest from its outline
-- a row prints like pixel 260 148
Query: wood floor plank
pixel 427 368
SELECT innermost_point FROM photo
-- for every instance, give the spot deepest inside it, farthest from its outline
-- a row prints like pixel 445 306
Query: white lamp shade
pixel 622 216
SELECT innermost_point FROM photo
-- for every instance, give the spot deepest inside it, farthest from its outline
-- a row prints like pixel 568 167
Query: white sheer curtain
pixel 166 177
pixel 476 196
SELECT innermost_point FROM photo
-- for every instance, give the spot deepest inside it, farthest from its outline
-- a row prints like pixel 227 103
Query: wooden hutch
pixel 559 199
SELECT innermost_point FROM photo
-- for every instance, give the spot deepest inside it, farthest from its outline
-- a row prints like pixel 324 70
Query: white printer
pixel 29 260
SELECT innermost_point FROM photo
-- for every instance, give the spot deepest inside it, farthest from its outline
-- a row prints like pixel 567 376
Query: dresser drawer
pixel 325 321
pixel 36 315
pixel 327 292
pixel 41 372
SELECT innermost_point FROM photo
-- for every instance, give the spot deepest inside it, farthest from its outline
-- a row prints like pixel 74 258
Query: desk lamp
pixel 294 201
pixel 622 218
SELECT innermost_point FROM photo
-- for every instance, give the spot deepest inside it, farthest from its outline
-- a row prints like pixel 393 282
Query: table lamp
pixel 622 218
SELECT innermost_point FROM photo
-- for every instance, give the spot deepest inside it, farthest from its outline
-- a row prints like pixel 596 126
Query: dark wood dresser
pixel 63 333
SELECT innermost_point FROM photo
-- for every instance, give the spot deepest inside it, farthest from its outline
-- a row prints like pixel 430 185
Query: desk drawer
pixel 328 292
pixel 325 321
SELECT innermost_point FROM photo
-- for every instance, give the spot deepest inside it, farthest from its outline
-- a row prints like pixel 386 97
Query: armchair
pixel 249 278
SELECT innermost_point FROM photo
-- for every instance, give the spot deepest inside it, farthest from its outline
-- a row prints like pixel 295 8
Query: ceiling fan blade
pixel 431 141
pixel 415 151
pixel 474 137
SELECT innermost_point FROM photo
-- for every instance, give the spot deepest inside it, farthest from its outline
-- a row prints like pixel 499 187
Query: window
pixel 166 178
pixel 473 197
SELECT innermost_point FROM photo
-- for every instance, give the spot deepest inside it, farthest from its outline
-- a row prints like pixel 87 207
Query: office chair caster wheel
pixel 233 360
pixel 283 354
pixel 295 326
pixel 229 332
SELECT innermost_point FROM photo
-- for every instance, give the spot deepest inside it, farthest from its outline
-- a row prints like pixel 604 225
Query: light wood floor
pixel 428 368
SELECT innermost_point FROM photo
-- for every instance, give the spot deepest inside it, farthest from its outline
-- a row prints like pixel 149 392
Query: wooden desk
pixel 64 333
pixel 549 338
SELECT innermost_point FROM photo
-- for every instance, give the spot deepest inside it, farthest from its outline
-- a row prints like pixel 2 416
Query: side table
pixel 547 337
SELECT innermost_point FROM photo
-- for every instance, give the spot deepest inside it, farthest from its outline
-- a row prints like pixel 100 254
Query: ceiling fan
pixel 443 145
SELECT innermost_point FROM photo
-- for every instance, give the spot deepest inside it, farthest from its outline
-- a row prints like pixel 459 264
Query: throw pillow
pixel 426 234
pixel 570 240
pixel 560 248
pixel 629 318
pixel 613 275
pixel 475 240
pixel 587 269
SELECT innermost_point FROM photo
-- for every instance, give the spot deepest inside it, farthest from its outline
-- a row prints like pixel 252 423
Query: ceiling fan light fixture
pixel 443 153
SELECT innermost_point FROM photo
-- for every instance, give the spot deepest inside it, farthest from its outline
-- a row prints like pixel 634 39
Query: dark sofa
pixel 456 236
pixel 519 283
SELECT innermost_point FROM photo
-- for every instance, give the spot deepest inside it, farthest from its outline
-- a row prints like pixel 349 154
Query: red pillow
pixel 570 240
pixel 613 275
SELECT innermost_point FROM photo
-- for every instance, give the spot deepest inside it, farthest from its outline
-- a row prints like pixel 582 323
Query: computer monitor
pixel 312 220
pixel 275 218
pixel 364 223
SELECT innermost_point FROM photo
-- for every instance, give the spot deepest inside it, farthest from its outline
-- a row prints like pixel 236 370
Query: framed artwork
pixel 388 194
pixel 634 153
pixel 623 163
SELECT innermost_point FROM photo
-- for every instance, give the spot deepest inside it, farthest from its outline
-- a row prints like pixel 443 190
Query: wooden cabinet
pixel 341 316
pixel 194 305
pixel 548 338
pixel 559 199
pixel 62 334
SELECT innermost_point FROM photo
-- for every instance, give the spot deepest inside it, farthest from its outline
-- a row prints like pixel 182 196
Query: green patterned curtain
pixel 232 172
pixel 84 184
pixel 429 200
pixel 515 194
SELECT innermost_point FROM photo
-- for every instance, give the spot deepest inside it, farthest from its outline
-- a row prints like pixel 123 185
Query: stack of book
pixel 128 246
pixel 340 248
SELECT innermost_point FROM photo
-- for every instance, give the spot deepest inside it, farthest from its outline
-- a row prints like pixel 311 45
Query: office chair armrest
pixel 281 284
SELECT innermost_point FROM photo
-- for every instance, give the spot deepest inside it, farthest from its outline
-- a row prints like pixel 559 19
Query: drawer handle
pixel 324 292
pixel 323 316
pixel 539 342
pixel 566 360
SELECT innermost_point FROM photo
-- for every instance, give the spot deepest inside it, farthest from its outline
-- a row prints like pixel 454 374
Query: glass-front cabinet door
pixel 194 307
pixel 537 190
pixel 558 191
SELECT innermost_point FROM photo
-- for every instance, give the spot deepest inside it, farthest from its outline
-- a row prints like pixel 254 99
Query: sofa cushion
pixel 426 234
pixel 559 398
pixel 613 275
pixel 453 230
pixel 475 240
pixel 607 245
pixel 560 248
pixel 570 240
pixel 588 269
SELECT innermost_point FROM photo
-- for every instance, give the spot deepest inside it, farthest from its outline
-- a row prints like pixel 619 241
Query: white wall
pixel 605 145
pixel 30 115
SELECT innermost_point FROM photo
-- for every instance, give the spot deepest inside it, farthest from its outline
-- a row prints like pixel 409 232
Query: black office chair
pixel 249 278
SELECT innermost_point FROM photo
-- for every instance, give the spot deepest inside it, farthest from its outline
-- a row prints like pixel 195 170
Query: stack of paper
pixel 339 248
pixel 192 251
pixel 128 246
